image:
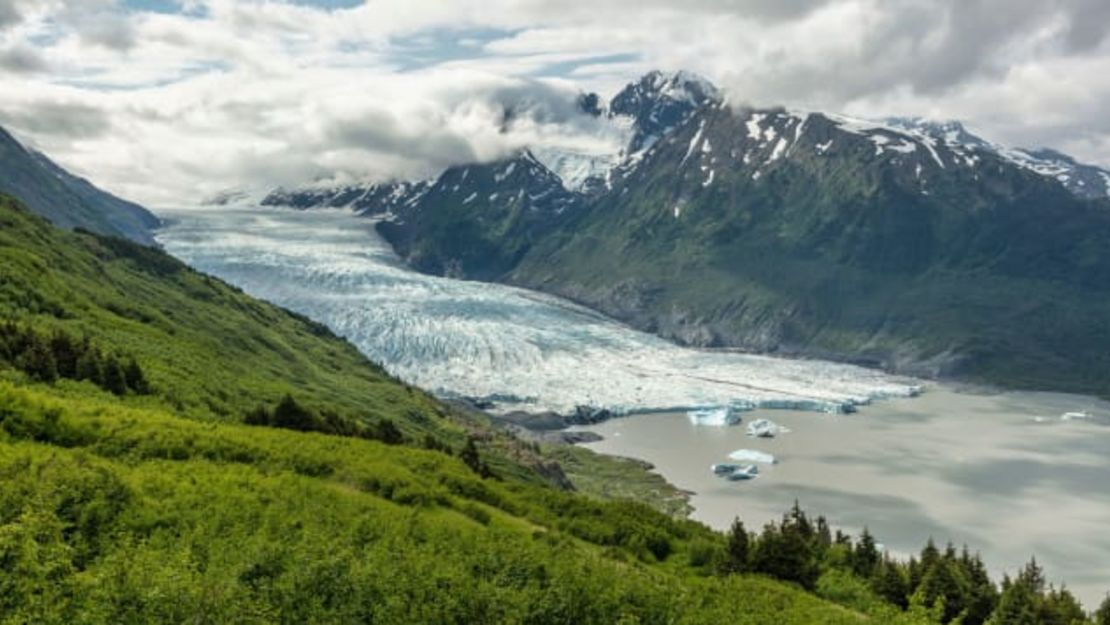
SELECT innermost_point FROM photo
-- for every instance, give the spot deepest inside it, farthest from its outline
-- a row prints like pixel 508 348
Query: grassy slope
pixel 163 508
pixel 131 515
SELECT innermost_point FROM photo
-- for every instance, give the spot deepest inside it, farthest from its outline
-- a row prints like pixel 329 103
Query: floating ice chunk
pixel 765 428
pixel 735 472
pixel 752 455
pixel 714 416
pixel 1082 415
pixel 744 472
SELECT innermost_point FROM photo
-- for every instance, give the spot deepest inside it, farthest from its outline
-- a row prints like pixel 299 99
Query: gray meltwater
pixel 1000 472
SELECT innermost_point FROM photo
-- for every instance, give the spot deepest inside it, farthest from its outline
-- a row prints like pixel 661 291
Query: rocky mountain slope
pixel 67 200
pixel 907 244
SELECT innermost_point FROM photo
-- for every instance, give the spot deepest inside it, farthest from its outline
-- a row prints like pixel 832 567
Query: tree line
pixel 951 585
pixel 50 356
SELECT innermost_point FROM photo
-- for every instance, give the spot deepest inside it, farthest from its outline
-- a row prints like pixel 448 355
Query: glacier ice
pixel 714 416
pixel 521 349
pixel 752 455
pixel 765 428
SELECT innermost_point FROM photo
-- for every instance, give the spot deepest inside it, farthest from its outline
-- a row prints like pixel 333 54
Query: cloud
pixel 249 92
pixel 66 121
pixel 21 58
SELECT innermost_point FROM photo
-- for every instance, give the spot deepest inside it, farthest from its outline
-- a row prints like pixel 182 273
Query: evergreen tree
pixel 983 593
pixel 114 379
pixel 290 415
pixel 785 553
pixel 891 583
pixel 865 556
pixel 470 457
pixel 89 366
pixel 65 351
pixel 135 378
pixel 1021 600
pixel 387 432
pixel 38 362
pixel 736 549
pixel 824 534
pixel 1060 607
pixel 943 584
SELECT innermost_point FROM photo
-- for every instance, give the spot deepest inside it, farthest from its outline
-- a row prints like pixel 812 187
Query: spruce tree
pixel 866 555
pixel 983 593
pixel 38 362
pixel 65 351
pixel 891 583
pixel 89 366
pixel 135 378
pixel 386 431
pixel 290 415
pixel 1060 607
pixel 736 549
pixel 945 585
pixel 469 455
pixel 114 380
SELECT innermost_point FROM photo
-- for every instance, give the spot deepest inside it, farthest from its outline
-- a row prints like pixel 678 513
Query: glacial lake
pixel 965 467
pixel 998 471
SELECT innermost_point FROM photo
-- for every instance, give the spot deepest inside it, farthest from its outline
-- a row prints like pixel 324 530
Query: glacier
pixel 519 349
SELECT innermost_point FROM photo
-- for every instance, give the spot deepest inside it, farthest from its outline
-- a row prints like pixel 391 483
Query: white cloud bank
pixel 167 106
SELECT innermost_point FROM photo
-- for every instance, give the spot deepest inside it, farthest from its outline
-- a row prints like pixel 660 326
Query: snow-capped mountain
pixel 650 109
pixel 1086 181
pixel 907 243
pixel 659 102
pixel 474 220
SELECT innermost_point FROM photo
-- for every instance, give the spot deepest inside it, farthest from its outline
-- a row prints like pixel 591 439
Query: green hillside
pixel 139 484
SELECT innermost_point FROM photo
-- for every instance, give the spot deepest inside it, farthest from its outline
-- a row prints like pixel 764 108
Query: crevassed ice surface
pixel 523 350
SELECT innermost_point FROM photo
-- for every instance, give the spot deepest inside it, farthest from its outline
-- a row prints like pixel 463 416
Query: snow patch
pixel 694 141
pixel 780 147
pixel 505 173
pixel 754 129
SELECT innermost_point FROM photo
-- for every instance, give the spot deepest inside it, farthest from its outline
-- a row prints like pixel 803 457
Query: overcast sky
pixel 166 101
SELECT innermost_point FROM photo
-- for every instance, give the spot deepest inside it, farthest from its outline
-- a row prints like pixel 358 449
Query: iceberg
pixel 724 468
pixel 752 455
pixel 714 416
pixel 765 428
pixel 735 472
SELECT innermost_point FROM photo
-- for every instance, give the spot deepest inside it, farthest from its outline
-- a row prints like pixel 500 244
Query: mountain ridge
pixel 66 200
pixel 910 245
